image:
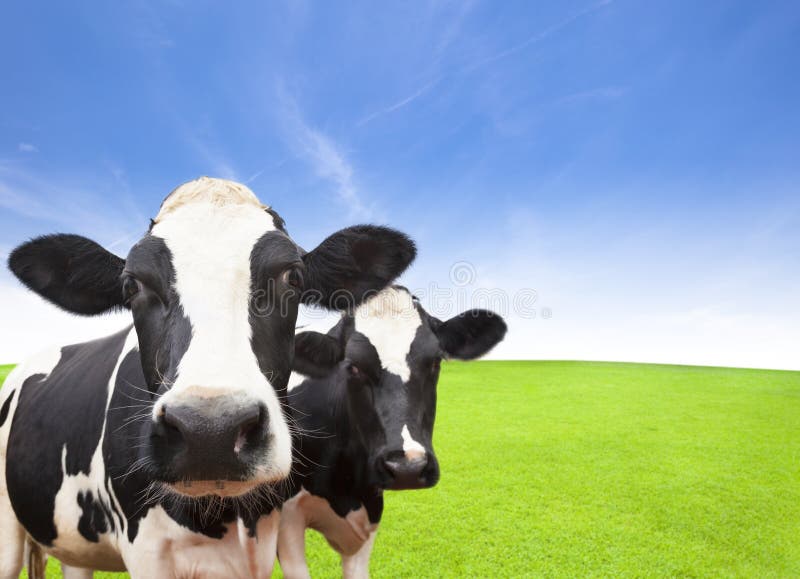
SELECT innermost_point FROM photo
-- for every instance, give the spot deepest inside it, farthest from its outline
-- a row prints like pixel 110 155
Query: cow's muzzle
pixel 210 439
pixel 405 474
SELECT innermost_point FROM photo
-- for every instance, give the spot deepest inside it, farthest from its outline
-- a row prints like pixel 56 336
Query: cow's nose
pixel 406 473
pixel 212 439
pixel 195 426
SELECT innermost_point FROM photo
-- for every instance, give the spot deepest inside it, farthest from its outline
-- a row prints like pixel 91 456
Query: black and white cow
pixel 161 449
pixel 364 398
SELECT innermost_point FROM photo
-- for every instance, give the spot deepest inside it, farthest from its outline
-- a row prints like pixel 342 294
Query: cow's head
pixel 388 354
pixel 214 288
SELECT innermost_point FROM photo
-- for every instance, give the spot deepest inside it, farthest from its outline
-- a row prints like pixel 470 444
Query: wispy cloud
pixel 27 148
pixel 451 32
pixel 58 203
pixel 539 36
pixel 399 104
pixel 325 156
pixel 607 93
pixel 451 27
pixel 450 22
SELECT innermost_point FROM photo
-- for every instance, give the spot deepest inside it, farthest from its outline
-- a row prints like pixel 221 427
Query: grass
pixel 579 469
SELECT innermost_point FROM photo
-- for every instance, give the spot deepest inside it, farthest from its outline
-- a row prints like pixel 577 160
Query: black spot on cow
pixel 95 517
pixel 62 410
pixel 6 406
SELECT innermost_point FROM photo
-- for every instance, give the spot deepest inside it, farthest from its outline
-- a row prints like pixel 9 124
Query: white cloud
pixel 70 206
pixel 326 157
pixel 27 148
pixel 701 336
pixel 31 324
pixel 629 297
pixel 603 93
pixel 399 104
pixel 539 36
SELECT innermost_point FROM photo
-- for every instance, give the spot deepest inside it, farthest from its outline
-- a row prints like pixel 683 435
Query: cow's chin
pixel 219 488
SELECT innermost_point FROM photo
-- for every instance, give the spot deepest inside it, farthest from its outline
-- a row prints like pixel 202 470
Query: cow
pixel 363 396
pixel 163 449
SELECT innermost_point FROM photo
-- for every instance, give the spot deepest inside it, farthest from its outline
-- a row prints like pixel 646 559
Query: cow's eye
pixel 293 277
pixel 130 287
pixel 355 374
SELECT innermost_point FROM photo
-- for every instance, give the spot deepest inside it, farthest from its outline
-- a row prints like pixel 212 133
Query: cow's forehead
pixel 207 190
pixel 390 321
pixel 212 225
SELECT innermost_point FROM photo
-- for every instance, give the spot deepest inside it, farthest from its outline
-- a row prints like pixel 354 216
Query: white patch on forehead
pixel 413 449
pixel 210 233
pixel 295 379
pixel 216 192
pixel 390 321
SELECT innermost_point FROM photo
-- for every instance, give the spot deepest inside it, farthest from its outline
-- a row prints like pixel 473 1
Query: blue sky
pixel 635 164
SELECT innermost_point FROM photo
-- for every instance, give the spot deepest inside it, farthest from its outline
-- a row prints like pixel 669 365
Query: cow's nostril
pixel 174 422
pixel 405 473
pixel 168 426
pixel 405 468
pixel 248 431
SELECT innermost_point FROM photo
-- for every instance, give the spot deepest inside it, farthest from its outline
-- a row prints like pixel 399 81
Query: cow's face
pixel 214 289
pixel 390 362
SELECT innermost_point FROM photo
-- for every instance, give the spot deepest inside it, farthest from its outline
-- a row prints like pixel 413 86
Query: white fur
pixel 356 566
pixel 164 548
pixel 12 535
pixel 76 572
pixel 390 321
pixel 210 228
pixel 218 192
pixel 413 449
pixel 295 379
pixel 69 543
pixel 352 536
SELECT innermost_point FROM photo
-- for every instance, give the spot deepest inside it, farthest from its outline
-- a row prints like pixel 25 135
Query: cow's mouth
pixel 220 488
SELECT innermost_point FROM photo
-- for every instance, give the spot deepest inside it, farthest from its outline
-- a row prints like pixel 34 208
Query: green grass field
pixel 574 469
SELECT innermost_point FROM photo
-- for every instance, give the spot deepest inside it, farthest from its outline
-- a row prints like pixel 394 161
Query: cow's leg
pixel 35 560
pixel 356 566
pixel 292 539
pixel 12 538
pixel 76 572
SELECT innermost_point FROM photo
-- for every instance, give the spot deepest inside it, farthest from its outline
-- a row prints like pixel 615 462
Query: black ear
pixel 354 263
pixel 316 354
pixel 72 272
pixel 471 334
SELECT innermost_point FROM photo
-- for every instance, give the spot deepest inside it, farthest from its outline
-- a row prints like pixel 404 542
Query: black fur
pixel 316 354
pixel 470 334
pixel 72 272
pixel 5 407
pixel 76 388
pixel 353 263
pixel 96 517
pixel 354 409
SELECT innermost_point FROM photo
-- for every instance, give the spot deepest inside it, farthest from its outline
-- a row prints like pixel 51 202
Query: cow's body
pixel 78 491
pixel 364 398
pixel 163 449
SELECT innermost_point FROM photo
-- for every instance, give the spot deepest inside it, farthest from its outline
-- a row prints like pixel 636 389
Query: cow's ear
pixel 354 263
pixel 316 354
pixel 72 272
pixel 471 334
